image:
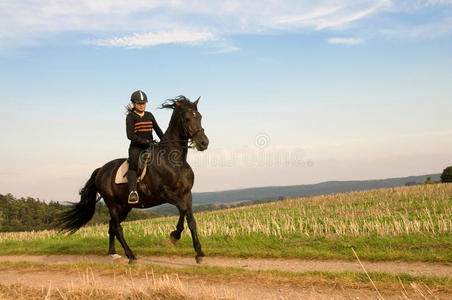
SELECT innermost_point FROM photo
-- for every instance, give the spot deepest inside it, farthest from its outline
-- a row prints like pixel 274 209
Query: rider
pixel 139 124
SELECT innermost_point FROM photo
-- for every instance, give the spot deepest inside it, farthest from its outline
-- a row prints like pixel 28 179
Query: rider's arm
pixel 132 135
pixel 157 128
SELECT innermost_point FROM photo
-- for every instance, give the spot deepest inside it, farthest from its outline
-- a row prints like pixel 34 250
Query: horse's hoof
pixel 132 261
pixel 199 259
pixel 115 256
pixel 173 239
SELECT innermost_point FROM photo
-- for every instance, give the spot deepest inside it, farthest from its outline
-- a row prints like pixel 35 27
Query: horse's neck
pixel 174 137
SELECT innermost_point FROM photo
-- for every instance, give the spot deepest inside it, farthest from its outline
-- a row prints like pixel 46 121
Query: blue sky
pixel 291 92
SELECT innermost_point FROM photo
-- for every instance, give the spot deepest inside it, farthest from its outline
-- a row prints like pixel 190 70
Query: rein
pixel 171 141
pixel 190 140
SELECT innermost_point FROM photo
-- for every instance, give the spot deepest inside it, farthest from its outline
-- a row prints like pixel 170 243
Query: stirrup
pixel 131 201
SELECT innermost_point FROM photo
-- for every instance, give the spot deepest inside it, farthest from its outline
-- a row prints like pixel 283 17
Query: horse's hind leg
pixel 111 233
pixel 175 235
pixel 117 216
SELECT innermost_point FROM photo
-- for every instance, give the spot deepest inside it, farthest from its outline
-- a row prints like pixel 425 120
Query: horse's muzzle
pixel 202 142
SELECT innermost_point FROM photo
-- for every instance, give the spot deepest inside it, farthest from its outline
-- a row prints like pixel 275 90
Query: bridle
pixel 186 130
pixel 189 136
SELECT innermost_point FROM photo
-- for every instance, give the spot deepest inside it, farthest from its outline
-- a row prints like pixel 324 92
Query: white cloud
pixel 137 40
pixel 141 23
pixel 307 18
pixel 345 41
pixel 334 16
pixel 354 16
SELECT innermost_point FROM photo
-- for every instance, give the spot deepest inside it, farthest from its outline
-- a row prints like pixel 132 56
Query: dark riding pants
pixel 134 156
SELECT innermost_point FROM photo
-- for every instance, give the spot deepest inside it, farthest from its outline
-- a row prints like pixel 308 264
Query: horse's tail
pixel 80 213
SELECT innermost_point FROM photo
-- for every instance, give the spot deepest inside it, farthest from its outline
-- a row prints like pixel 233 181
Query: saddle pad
pixel 122 171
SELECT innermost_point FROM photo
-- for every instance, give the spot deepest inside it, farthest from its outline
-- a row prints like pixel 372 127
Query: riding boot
pixel 132 180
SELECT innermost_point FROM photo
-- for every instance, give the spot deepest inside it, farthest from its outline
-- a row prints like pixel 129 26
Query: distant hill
pixel 328 187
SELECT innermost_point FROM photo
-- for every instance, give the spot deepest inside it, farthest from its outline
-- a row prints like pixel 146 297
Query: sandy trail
pixel 211 288
pixel 233 289
pixel 289 265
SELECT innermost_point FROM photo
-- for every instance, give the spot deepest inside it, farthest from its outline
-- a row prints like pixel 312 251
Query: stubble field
pixel 407 225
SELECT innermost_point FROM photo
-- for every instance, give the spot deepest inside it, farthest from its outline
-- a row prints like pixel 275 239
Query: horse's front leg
pixel 175 235
pixel 184 204
pixel 194 232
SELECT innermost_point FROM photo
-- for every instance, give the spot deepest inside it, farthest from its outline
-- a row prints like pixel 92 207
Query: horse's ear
pixel 177 103
pixel 197 100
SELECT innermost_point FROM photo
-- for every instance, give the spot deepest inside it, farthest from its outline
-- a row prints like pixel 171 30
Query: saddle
pixel 121 173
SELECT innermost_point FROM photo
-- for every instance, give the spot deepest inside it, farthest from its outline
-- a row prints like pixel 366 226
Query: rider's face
pixel 140 107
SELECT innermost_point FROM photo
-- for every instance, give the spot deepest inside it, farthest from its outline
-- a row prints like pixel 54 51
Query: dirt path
pixel 289 265
pixel 222 287
pixel 233 289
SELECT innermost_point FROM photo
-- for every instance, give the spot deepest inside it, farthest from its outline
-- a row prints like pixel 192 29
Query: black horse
pixel 168 179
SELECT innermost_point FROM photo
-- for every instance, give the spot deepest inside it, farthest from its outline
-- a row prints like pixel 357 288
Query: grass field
pixel 407 223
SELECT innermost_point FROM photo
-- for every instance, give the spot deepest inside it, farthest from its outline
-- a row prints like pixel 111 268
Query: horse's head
pixel 190 121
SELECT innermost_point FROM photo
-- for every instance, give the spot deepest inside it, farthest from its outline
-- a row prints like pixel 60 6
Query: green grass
pixel 407 223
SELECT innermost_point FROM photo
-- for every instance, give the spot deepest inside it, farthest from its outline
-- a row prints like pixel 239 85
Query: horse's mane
pixel 171 103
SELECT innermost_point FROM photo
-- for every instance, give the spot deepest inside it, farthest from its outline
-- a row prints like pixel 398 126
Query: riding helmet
pixel 139 97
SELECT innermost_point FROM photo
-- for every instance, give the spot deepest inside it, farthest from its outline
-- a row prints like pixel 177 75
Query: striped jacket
pixel 139 129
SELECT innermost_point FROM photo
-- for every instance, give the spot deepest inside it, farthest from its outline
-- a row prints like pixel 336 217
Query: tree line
pixel 29 214
pixel 445 177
